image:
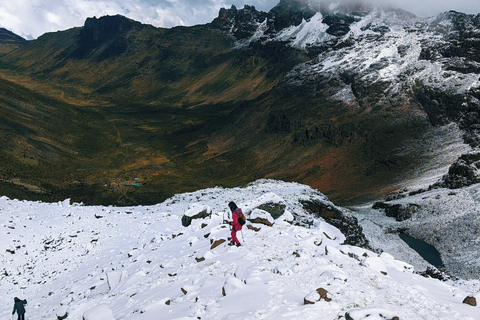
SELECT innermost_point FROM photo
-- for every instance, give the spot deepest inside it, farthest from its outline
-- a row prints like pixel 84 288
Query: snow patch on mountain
pixel 308 33
pixel 72 261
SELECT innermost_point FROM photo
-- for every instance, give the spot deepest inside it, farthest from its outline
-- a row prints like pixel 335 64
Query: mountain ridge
pixel 340 98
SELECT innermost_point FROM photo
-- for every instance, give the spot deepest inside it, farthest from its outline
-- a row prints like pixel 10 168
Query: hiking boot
pixel 231 244
pixel 238 244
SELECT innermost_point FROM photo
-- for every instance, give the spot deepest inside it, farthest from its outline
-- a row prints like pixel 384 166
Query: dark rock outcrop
pixel 398 211
pixel 348 225
pixel 463 172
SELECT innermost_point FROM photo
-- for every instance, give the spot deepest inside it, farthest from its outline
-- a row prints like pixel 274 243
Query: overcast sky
pixel 32 18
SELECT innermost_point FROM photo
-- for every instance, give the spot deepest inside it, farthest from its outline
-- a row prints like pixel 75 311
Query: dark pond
pixel 428 252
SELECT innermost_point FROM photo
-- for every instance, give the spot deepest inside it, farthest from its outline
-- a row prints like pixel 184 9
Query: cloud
pixel 32 18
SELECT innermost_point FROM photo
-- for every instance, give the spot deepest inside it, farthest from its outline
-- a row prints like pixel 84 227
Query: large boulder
pixel 275 206
pixel 195 211
pixel 269 202
pixel 261 216
pixel 470 300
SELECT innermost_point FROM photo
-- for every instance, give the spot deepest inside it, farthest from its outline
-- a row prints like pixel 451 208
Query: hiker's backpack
pixel 241 218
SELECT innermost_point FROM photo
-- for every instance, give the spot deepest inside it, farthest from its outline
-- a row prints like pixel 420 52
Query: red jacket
pixel 235 223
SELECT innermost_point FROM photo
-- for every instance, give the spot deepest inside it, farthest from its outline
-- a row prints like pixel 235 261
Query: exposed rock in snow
pixel 144 266
pixel 261 216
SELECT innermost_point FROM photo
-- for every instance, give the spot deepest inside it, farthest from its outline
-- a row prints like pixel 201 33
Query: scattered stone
pixel 217 243
pixel 10 251
pixel 249 226
pixel 62 313
pixel 470 301
pixel 183 291
pixel 195 211
pixel 98 216
pixel 317 295
pixel 200 259
pixel 231 284
pixel 168 302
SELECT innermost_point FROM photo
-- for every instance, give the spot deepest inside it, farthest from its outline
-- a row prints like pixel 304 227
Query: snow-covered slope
pixel 444 218
pixel 141 263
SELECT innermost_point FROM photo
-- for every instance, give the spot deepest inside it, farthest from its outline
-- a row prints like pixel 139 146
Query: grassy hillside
pixel 89 112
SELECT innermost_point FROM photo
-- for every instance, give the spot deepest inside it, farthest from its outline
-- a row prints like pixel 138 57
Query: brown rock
pixel 323 294
pixel 249 226
pixel 262 221
pixel 200 259
pixel 217 243
pixel 470 300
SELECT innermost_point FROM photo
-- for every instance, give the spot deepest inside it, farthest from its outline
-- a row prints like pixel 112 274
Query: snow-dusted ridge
pixel 141 263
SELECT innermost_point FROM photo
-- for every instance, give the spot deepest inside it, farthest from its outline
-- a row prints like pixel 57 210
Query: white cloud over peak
pixel 32 18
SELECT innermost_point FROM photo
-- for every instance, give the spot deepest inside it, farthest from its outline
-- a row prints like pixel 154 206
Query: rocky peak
pixel 241 23
pixel 105 27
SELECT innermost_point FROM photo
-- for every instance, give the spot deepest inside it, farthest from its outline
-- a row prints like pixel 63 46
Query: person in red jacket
pixel 236 226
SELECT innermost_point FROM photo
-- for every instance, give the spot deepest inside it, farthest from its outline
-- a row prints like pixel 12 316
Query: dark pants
pixel 21 316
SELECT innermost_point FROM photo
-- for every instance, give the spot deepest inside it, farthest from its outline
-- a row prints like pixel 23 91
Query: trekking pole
pixel 241 231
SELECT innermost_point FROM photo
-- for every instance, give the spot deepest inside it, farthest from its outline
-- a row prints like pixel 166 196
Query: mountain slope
pixel 86 262
pixel 354 100
pixel 9 41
